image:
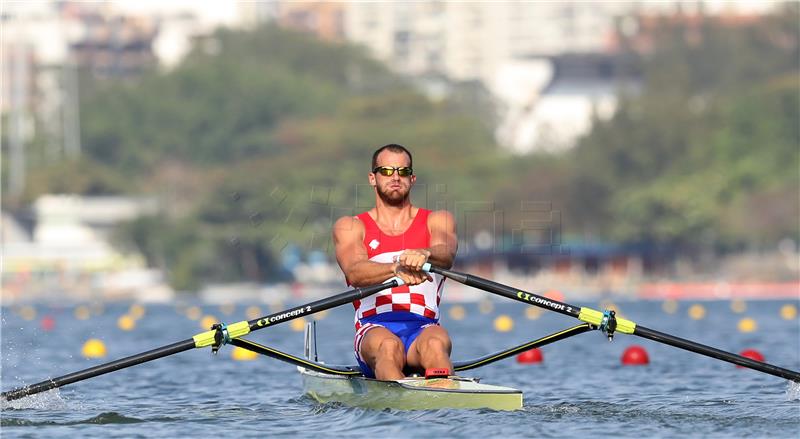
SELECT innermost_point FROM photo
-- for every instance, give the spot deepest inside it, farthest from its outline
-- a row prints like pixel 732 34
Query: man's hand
pixel 413 259
pixel 409 276
pixel 408 266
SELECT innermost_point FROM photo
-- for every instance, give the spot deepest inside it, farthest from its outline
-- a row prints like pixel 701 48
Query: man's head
pixel 393 147
pixel 392 175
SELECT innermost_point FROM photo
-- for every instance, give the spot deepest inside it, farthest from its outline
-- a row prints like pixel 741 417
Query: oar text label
pixel 287 315
pixel 543 302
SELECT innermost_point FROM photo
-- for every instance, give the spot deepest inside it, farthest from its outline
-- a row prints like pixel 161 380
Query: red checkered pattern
pixel 401 299
pixel 422 299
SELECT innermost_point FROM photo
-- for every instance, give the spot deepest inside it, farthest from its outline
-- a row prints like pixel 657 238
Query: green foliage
pixel 223 103
pixel 261 139
pixel 83 176
pixel 715 129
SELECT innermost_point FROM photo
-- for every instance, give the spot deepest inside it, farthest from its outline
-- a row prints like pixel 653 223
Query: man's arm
pixel 348 237
pixel 443 244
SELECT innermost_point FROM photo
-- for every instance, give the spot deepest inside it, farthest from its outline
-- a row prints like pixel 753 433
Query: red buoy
pixel 530 357
pixel 751 354
pixel 48 323
pixel 635 356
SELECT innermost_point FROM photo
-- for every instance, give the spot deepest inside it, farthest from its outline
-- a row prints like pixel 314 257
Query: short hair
pixel 393 147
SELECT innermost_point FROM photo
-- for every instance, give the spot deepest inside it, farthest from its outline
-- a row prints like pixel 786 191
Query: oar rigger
pixel 221 336
pixel 608 324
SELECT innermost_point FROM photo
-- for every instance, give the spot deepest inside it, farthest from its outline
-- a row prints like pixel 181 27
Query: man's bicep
pixel 443 230
pixel 347 237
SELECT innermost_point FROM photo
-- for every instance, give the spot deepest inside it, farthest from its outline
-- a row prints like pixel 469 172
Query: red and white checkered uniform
pixel 422 299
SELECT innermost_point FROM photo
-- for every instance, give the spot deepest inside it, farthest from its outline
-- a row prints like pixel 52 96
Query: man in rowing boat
pixel 397 329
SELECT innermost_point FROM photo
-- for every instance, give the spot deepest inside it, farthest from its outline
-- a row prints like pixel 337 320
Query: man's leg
pixel 431 349
pixel 384 353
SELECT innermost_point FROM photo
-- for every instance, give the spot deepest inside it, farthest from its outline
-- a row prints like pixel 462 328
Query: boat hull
pixel 410 393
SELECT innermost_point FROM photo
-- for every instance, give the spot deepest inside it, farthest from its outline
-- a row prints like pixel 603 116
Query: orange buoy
pixel 635 356
pixel 751 354
pixel 532 356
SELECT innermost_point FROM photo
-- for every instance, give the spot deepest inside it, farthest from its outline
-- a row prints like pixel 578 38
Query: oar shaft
pixel 511 293
pixel 204 339
pixel 239 329
pixel 682 343
pixel 593 317
pixel 99 370
pixel 319 305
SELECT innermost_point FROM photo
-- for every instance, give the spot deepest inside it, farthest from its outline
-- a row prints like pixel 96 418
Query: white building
pixel 510 47
pixel 68 251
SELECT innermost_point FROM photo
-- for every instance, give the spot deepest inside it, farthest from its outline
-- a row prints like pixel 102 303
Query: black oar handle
pixel 204 339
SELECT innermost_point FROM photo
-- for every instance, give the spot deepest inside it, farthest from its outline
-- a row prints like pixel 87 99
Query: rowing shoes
pixel 609 323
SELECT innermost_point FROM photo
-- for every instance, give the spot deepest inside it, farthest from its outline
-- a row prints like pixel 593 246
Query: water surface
pixel 580 390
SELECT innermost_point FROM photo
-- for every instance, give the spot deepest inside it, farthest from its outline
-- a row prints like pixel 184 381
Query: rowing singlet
pixel 422 299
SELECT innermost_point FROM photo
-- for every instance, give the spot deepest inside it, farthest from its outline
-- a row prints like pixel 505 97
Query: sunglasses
pixel 403 171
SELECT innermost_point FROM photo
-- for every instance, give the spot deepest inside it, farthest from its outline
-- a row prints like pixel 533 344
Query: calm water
pixel 580 389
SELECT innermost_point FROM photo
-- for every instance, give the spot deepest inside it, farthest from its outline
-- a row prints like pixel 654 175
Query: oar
pixel 609 323
pixel 219 334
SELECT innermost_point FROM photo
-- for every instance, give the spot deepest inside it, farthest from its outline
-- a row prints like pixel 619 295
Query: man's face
pixel 393 189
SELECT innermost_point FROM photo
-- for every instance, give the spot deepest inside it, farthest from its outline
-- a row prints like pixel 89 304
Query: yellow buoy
pixel 126 322
pixel 207 321
pixel 747 325
pixel 252 312
pixel 93 348
pixel 697 311
pixel 503 323
pixel 227 308
pixel 321 315
pixel 27 312
pixel 240 354
pixel 738 306
pixel 298 325
pixel 670 306
pixel 533 313
pixel 136 311
pixel 194 312
pixel 485 306
pixel 82 312
pixel 788 312
pixel 457 312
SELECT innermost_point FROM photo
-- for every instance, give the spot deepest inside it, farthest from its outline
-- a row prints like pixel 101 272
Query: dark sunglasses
pixel 403 171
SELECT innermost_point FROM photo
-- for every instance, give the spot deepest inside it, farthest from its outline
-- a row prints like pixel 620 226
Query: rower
pixel 400 328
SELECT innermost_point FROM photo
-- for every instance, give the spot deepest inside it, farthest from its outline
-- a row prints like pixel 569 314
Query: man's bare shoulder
pixel 348 224
pixel 441 217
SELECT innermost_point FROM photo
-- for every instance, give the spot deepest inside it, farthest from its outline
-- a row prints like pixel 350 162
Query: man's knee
pixel 436 345
pixel 390 346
